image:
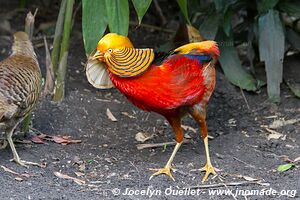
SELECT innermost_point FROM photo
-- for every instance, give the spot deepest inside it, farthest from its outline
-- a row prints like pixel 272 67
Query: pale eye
pixel 110 50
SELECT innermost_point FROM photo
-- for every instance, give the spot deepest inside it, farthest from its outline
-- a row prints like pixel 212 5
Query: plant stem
pixel 59 90
pixel 58 35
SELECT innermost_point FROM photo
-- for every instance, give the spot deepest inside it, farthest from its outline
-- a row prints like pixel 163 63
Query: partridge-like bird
pixel 20 84
pixel 172 85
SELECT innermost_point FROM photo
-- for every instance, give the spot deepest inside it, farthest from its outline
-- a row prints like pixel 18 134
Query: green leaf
pixel 227 21
pixel 291 7
pixel 232 67
pixel 118 16
pixel 209 28
pixel 183 6
pixel 221 5
pixel 94 23
pixel 271 50
pixel 285 167
pixel 293 38
pixel 265 5
pixel 141 7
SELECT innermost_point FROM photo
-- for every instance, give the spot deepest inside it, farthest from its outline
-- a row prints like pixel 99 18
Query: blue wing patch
pixel 204 58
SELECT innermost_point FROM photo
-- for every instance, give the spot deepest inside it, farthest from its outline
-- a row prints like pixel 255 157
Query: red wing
pixel 177 82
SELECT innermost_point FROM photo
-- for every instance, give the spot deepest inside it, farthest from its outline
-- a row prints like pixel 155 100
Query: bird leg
pixel 16 157
pixel 208 168
pixel 199 114
pixel 176 125
pixel 167 168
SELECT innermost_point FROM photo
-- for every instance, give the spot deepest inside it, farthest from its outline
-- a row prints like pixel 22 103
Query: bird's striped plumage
pixel 129 62
pixel 20 85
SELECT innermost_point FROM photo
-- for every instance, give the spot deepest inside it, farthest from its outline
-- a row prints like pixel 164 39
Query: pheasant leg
pixel 208 168
pixel 167 168
pixel 16 157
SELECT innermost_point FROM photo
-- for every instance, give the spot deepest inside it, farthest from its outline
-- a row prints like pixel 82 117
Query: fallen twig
pixel 243 162
pixel 154 145
pixel 64 176
pixel 244 97
pixel 49 83
pixel 217 185
pixel 281 122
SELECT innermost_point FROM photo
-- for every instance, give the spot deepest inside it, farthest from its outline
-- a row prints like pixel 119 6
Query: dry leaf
pixel 64 140
pixel 296 159
pixel 82 167
pixel 64 176
pixel 274 134
pixel 281 122
pixel 188 128
pixel 128 115
pixel 110 115
pixel 19 179
pixel 248 178
pixel 36 139
pixel 9 170
pixel 142 137
pixel 79 174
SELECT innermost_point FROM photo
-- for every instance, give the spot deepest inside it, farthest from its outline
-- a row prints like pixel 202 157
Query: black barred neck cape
pixel 129 62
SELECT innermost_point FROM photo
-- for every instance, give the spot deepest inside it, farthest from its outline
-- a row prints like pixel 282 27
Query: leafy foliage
pixel 98 22
pixel 271 50
pixel 285 167
pixel 260 21
pixel 118 16
pixel 141 7
pixel 183 6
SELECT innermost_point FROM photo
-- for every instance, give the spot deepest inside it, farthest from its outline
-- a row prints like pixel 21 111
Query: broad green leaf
pixel 291 7
pixel 293 38
pixel 227 21
pixel 209 28
pixel 285 167
pixel 94 23
pixel 183 6
pixel 141 7
pixel 271 50
pixel 221 5
pixel 232 67
pixel 118 16
pixel 265 5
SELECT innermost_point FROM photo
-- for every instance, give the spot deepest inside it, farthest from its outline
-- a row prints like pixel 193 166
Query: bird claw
pixel 165 170
pixel 25 163
pixel 209 169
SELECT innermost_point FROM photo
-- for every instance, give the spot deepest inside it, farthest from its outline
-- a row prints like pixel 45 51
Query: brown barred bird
pixel 20 84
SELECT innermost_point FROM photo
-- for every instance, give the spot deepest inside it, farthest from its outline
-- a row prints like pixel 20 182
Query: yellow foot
pixel 165 170
pixel 209 169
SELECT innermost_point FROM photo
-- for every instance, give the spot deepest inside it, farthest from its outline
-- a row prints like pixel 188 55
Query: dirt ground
pixel 108 160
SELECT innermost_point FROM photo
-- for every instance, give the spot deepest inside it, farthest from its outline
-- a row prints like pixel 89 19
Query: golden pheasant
pixel 172 85
pixel 20 85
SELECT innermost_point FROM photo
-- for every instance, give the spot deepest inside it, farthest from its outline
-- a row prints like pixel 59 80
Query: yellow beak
pixel 98 56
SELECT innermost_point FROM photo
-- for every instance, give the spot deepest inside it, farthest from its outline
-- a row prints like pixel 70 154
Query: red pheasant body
pixel 178 82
